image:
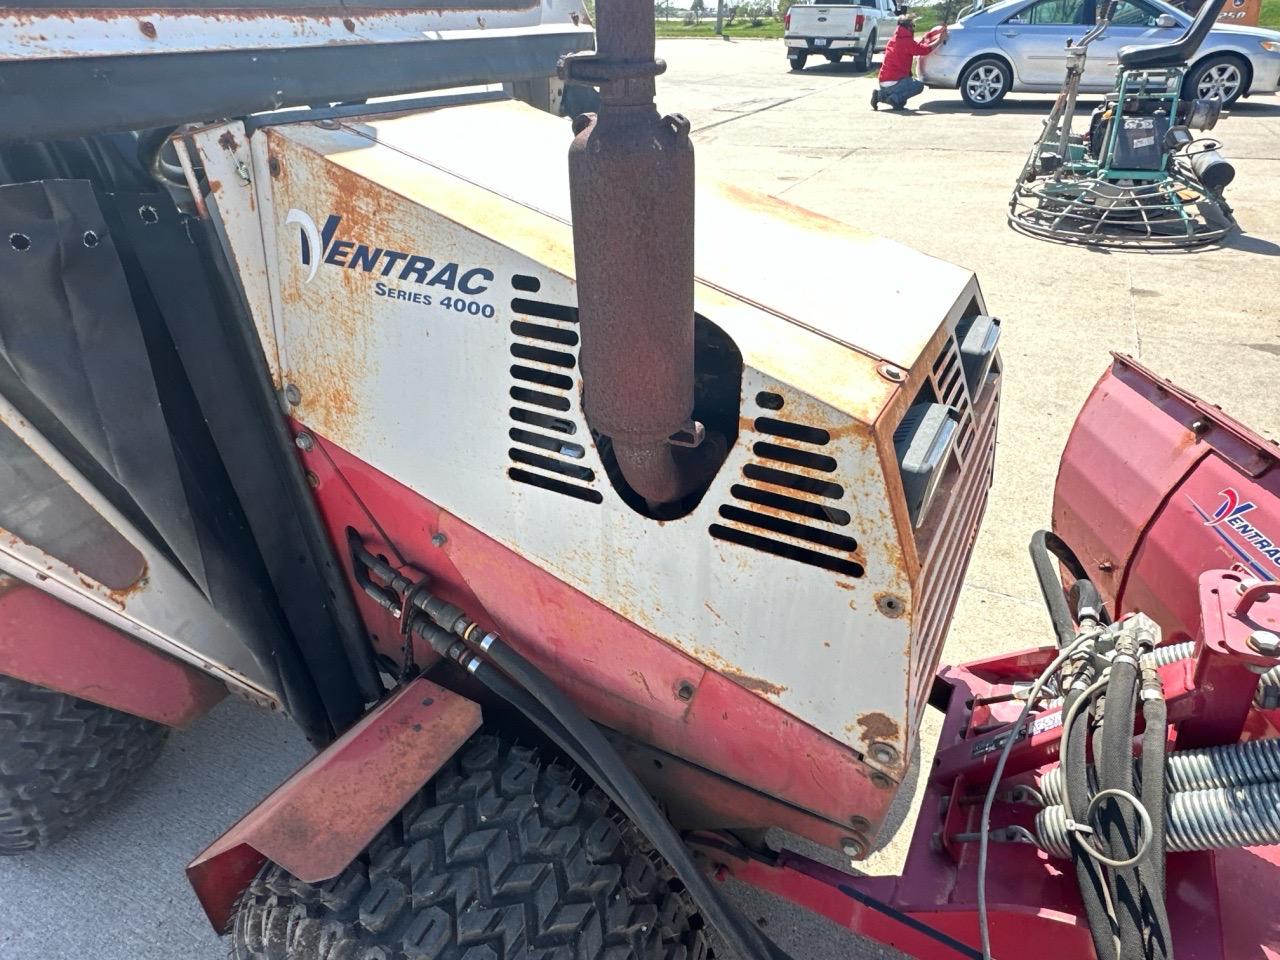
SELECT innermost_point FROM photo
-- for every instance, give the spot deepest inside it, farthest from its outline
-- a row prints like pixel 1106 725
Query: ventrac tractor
pixel 583 551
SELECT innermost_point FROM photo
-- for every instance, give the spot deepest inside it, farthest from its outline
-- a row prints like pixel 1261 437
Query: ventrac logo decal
pixel 1247 541
pixel 1230 507
pixel 322 246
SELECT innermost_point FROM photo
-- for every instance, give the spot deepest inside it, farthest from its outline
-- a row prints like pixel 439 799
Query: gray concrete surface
pixel 938 178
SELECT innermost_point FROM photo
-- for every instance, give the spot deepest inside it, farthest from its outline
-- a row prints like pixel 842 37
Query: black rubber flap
pixel 71 351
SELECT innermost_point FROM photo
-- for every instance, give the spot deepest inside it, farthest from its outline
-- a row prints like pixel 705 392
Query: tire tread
pixel 62 759
pixel 500 857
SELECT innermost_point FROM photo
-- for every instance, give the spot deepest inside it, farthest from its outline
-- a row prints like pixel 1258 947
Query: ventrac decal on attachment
pixel 323 246
pixel 1228 522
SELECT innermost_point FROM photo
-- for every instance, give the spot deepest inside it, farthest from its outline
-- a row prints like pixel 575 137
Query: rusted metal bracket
pixel 50 643
pixel 316 822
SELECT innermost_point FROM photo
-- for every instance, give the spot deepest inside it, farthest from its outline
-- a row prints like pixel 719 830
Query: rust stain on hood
pixel 877 726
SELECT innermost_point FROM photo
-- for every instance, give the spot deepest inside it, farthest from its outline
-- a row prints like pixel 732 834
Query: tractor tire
pixel 62 759
pixel 797 60
pixel 498 857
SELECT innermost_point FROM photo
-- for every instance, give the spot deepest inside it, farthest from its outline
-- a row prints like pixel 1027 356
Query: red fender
pixel 52 644
pixel 317 822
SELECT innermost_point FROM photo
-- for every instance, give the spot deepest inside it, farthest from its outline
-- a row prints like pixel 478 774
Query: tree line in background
pixel 757 12
pixel 754 11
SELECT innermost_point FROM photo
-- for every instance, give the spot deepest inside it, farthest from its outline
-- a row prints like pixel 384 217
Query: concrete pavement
pixel 937 178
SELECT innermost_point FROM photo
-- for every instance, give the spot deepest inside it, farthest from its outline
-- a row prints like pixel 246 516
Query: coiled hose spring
pixel 1229 765
pixel 1242 816
pixel 1267 696
pixel 1221 796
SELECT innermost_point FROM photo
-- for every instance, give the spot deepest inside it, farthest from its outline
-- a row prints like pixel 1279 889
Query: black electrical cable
pixel 1151 872
pixel 1117 823
pixel 909 921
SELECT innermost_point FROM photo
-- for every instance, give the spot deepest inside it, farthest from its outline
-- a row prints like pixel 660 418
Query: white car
pixel 1021 44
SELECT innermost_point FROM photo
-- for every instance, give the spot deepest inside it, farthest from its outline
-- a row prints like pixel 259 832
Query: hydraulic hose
pixel 1117 825
pixel 984 823
pixel 1089 873
pixel 1151 870
pixel 1042 560
pixel 633 798
pixel 544 704
pixel 496 664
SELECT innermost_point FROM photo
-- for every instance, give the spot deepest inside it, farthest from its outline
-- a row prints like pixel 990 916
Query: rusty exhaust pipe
pixel 631 189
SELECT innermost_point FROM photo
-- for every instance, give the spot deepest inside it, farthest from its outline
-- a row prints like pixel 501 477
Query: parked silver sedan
pixel 1020 44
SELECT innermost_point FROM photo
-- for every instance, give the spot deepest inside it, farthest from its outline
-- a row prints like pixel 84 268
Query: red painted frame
pixel 727 758
pixel 1144 471
pixel 1217 908
pixel 318 821
pixel 619 674
pixel 52 644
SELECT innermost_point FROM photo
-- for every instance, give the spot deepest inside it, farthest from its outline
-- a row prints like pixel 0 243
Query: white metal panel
pixel 33 34
pixel 421 393
pixel 873 294
pixel 225 153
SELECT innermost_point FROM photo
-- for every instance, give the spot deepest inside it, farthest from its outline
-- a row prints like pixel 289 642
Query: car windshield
pixel 978 7
pixel 1127 12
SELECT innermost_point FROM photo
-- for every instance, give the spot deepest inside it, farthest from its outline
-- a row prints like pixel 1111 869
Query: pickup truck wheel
pixel 61 760
pixel 984 82
pixel 501 855
pixel 797 60
pixel 862 59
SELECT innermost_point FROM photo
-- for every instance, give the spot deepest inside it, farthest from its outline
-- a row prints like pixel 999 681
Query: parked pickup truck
pixel 837 30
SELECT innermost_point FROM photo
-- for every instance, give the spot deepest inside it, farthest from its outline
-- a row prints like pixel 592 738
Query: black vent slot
pixel 766 400
pixel 821 546
pixel 540 331
pixel 948 377
pixel 552 358
pixel 548 311
pixel 544 378
pixel 539 398
pixel 555 486
pixel 777 548
pixel 529 458
pixel 551 464
pixel 543 442
pixel 767 521
pixel 797 458
pixel 544 420
pixel 792 431
pixel 965 443
pixel 793 481
pixel 801 508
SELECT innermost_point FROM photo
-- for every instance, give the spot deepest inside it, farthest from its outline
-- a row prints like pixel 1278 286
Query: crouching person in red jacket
pixel 897 85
